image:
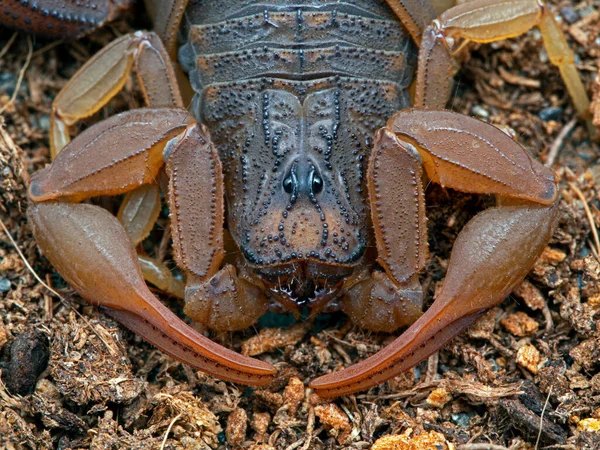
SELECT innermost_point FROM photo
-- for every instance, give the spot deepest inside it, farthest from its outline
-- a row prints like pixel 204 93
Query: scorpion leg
pixel 48 17
pixel 166 17
pixel 94 84
pixel 91 250
pixel 415 15
pixel 493 252
pixel 138 213
pixel 486 21
pixel 104 75
pixel 221 299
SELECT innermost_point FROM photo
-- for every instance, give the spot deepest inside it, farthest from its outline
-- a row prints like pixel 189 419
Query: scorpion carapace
pixel 293 116
pixel 301 145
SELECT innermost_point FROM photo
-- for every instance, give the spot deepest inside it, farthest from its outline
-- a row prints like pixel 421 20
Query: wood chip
pixel 425 441
pixel 529 357
pixel 520 324
pixel 270 339
pixel 237 424
pixel 530 294
pixel 336 420
pixel 438 398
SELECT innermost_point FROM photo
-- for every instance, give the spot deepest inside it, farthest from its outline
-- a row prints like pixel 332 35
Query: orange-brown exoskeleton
pixel 301 142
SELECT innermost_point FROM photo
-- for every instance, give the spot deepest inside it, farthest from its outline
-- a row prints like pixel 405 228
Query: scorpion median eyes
pixel 313 161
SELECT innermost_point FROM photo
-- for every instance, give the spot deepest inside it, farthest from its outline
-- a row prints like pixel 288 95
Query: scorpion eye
pixel 288 184
pixel 316 182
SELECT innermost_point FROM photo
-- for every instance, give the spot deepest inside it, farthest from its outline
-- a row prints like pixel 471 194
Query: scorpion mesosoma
pixel 314 166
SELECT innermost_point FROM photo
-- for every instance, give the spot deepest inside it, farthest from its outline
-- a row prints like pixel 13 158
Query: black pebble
pixel 27 359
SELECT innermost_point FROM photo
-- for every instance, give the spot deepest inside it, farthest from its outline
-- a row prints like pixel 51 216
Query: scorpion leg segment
pixel 139 211
pixel 90 89
pixel 486 21
pixel 90 249
pixel 132 146
pixel 376 303
pixel 104 75
pixel 166 16
pixel 221 299
pixel 493 252
pixel 469 155
pixel 415 15
pixel 47 17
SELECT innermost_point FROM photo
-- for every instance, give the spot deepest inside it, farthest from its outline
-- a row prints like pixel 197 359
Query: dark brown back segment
pixel 59 18
pixel 292 93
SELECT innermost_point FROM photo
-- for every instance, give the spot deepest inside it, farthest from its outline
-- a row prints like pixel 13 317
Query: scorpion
pixel 295 179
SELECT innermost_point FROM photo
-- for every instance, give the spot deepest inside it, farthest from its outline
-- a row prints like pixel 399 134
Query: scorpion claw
pixel 493 252
pixel 91 250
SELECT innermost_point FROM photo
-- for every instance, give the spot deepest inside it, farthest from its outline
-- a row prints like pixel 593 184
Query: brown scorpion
pixel 295 179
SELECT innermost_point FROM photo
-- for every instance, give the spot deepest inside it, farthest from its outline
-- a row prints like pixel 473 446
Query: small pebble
pixel 4 284
pixel 551 113
pixel 28 358
pixel 461 419
pixel 44 122
pixel 569 14
pixel 480 111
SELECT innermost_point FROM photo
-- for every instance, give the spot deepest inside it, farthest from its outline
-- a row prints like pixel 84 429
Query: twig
pixel 164 441
pixel 296 444
pixel 537 442
pixel 8 44
pixel 590 218
pixel 50 46
pixel 558 142
pixel 593 250
pixel 482 446
pixel 27 262
pixel 21 75
pixel 309 428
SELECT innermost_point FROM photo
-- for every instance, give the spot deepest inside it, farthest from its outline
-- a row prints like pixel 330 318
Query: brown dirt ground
pixel 534 360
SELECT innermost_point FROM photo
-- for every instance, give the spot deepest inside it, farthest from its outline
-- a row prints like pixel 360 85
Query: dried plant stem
pixel 590 217
pixel 21 75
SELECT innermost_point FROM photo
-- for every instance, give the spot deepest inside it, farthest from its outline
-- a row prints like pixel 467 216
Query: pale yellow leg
pixel 481 21
pixel 104 75
pixel 90 89
pixel 486 21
